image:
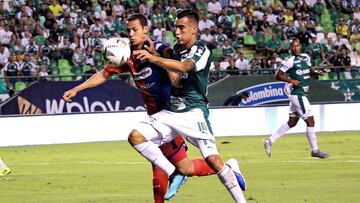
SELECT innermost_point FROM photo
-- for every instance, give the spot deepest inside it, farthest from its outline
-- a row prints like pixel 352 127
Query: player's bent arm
pixel 174 65
pixel 281 76
pixel 315 73
pixel 169 64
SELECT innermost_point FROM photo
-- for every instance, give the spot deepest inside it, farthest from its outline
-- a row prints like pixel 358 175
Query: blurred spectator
pixel 242 64
pixel 157 32
pixel 96 27
pixel 208 38
pixel 44 73
pixel 346 62
pixel 64 48
pixel 55 8
pixel 202 6
pixel 225 21
pixel 157 17
pixel 303 36
pixel 80 19
pixel 96 42
pixel 342 29
pixel 4 55
pixel 17 46
pixel 355 38
pixel 32 48
pixel 11 69
pixel 145 8
pixel 206 23
pixel 254 67
pixel 250 25
pixel 262 25
pixel 78 58
pixel 5 36
pixel 273 45
pixel 290 30
pixel 220 37
pixel 314 48
pixel 27 68
pixel 217 72
pixel 43 60
pixel 214 7
pixel 325 62
pixel 227 50
pixel 164 38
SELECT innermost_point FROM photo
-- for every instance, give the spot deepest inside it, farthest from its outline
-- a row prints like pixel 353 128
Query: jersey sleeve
pixel 308 60
pixel 200 55
pixel 116 69
pixel 159 47
pixel 286 64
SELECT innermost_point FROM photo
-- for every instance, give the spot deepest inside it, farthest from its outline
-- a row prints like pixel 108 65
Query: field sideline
pixel 107 172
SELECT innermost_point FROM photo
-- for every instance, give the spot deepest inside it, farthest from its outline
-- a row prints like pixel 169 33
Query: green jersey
pixel 298 68
pixel 192 90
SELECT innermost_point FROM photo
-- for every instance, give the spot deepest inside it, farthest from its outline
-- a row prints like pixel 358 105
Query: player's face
pixel 185 32
pixel 137 33
pixel 296 48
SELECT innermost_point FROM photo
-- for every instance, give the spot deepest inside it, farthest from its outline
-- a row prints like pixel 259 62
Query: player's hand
pixel 295 83
pixel 143 55
pixel 149 45
pixel 69 94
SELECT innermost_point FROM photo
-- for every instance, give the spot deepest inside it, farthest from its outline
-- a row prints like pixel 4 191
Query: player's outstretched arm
pixel 95 80
pixel 169 64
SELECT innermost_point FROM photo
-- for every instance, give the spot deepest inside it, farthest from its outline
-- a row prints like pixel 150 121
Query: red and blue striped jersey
pixel 152 81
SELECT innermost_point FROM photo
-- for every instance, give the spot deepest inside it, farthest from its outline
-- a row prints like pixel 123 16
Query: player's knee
pixel 136 138
pixel 310 122
pixel 215 162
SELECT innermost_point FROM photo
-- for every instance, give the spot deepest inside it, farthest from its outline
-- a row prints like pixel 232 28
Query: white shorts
pixel 301 106
pixel 165 126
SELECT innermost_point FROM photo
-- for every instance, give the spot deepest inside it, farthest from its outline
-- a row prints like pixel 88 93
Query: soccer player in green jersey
pixel 187 110
pixel 298 66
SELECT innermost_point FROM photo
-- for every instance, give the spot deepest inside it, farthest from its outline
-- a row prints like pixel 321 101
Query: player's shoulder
pixel 289 58
pixel 305 57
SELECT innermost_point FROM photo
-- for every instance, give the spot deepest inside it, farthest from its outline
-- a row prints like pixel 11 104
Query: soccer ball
pixel 116 51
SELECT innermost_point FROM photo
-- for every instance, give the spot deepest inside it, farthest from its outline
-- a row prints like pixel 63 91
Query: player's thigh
pixel 300 105
pixel 154 131
pixel 193 123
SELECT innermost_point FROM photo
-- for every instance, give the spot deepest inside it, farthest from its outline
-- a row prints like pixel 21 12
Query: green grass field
pixel 113 172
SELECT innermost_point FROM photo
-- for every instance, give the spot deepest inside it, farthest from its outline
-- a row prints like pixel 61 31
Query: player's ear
pixel 146 29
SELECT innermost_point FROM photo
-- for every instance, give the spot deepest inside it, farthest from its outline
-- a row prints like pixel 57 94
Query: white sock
pixel 2 164
pixel 228 179
pixel 152 152
pixel 310 132
pixel 279 133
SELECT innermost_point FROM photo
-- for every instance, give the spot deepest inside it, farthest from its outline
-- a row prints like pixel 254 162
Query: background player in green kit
pixel 298 66
pixel 187 110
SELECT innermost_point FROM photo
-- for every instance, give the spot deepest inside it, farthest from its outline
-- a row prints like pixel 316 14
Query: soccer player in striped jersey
pixel 155 86
pixel 298 66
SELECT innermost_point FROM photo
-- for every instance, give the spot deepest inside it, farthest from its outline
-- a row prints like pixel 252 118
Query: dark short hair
pixel 187 13
pixel 294 40
pixel 138 16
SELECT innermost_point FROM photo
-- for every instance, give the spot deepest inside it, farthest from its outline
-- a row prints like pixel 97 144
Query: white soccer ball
pixel 116 51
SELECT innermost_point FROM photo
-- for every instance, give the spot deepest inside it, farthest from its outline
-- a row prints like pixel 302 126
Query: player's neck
pixel 188 45
pixel 138 47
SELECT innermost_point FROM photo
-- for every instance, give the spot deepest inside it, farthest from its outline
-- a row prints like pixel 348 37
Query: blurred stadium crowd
pixel 42 38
